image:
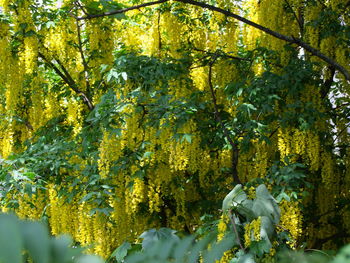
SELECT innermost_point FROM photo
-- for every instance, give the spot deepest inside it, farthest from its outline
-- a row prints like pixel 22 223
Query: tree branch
pixel 81 7
pixel 327 83
pixel 65 76
pixel 123 10
pixel 289 39
pixel 234 145
pixel 235 230
pixel 295 16
pixel 222 55
pixel 85 65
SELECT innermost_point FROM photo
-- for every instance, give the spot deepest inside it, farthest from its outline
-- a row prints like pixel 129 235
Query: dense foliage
pixel 118 117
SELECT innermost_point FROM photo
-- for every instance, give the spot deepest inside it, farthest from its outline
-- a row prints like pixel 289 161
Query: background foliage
pixel 119 117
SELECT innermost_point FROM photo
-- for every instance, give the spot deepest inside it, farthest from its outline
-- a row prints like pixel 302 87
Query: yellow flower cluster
pixel 31 206
pixel 254 163
pixel 110 150
pixel 293 143
pixel 171 32
pixel 226 258
pixel 312 33
pixel 135 195
pixel 252 231
pixel 74 115
pixel 76 218
pixel 52 105
pixel 101 39
pixel 154 200
pixel 37 109
pixel 222 226
pixel 291 219
pixel 30 53
pixel 200 77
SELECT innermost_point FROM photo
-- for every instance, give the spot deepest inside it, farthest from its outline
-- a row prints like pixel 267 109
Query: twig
pixel 222 55
pixel 123 10
pixel 319 251
pixel 235 230
pixel 81 7
pixel 226 132
pixel 327 83
pixel 340 133
pixel 159 33
pixel 85 65
pixel 341 106
pixel 295 16
pixel 274 131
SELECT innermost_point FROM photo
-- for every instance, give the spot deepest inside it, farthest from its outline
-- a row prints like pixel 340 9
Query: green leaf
pixel 36 241
pixel 234 198
pixel 147 155
pixel 61 249
pixel 217 250
pixel 265 204
pixel 89 259
pixel 260 247
pixel 30 175
pixel 198 248
pixel 343 255
pixel 50 24
pixel 10 239
pixel 183 247
pixel 267 228
pixel 187 137
pixel 153 235
pixel 246 210
pixel 120 252
pixel 246 258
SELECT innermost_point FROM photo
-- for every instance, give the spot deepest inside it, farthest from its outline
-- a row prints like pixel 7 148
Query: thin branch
pixel 338 207
pixel 56 69
pixel 82 8
pixel 222 55
pixel 340 133
pixel 274 131
pixel 123 10
pixel 65 76
pixel 159 34
pixel 74 86
pixel 341 106
pixel 319 251
pixel 327 83
pixel 235 230
pixel 234 145
pixel 85 65
pixel 295 16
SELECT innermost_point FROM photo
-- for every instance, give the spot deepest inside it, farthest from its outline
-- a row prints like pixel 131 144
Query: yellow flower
pixel 252 231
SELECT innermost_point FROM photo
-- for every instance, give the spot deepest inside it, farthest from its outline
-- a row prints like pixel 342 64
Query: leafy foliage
pixel 21 241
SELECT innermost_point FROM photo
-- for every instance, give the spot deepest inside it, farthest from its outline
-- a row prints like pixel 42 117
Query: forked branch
pixel 66 77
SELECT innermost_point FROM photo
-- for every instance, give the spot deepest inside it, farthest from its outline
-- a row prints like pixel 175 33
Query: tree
pixel 117 117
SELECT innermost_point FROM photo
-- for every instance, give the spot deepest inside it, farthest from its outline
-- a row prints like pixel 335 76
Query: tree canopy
pixel 121 116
